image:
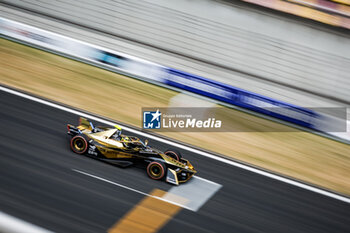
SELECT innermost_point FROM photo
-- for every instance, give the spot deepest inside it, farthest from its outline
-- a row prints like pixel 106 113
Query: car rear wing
pixel 83 124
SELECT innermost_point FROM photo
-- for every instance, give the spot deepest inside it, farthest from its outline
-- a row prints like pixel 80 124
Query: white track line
pixel 11 224
pixel 177 191
pixel 131 189
pixel 196 192
pixel 206 154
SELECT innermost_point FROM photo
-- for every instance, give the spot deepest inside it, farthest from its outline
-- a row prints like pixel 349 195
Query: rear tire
pixel 156 170
pixel 79 144
pixel 175 154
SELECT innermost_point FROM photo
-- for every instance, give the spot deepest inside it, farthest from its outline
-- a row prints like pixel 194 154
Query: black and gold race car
pixel 109 145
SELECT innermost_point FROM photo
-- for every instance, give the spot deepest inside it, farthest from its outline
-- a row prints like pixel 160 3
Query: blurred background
pixel 113 58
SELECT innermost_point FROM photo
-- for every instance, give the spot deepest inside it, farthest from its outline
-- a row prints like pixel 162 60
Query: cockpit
pixel 117 135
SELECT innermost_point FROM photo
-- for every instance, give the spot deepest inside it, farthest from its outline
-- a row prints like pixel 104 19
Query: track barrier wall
pixel 159 74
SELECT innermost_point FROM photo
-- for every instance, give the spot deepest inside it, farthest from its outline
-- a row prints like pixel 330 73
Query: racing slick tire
pixel 156 170
pixel 79 144
pixel 175 154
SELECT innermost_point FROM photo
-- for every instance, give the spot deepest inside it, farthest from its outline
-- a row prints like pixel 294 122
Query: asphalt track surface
pixel 38 185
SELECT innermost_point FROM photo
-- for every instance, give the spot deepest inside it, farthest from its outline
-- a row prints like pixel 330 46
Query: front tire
pixel 156 170
pixel 175 154
pixel 79 144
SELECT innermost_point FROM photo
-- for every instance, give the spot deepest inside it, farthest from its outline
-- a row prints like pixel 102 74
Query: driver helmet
pixel 119 130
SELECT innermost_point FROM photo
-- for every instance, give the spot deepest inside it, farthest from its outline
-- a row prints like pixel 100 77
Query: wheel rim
pixel 155 170
pixel 79 144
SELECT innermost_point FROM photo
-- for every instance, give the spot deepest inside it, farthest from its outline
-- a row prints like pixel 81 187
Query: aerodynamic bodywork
pixel 109 145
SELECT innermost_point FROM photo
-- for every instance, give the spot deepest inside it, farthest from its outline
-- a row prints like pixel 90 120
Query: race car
pixel 110 145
